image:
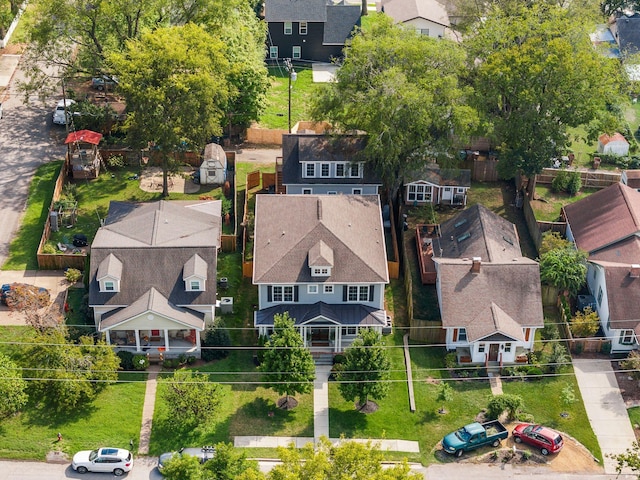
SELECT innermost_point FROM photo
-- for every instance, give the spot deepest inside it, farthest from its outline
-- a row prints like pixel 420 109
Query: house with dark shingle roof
pixel 322 258
pixel 326 164
pixel 489 294
pixel 435 185
pixel 152 275
pixel 311 30
pixel 606 224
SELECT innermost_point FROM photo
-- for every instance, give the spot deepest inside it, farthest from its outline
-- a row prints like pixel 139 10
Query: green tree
pixel 553 241
pixel 190 396
pixel 68 376
pixel 348 459
pixel 585 324
pixel 564 268
pixel 287 364
pixel 174 84
pixel 12 387
pixel 366 369
pixel 216 338
pixel 403 91
pixel 536 74
pixel 228 463
pixel 558 357
pixel 445 395
pixel 498 404
pixel 183 467
pixel 630 459
pixel 632 364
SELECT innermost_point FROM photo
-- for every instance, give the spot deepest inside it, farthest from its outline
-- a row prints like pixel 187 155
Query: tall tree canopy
pixel 535 75
pixel 12 387
pixel 175 88
pixel 287 364
pixel 403 91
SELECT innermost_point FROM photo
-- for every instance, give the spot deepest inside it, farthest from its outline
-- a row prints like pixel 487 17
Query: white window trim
pixel 327 289
pixel 322 165
pixel 356 191
pixel 344 166
pixel 320 271
pixel 111 281
pixel 332 192
pixel 312 289
pixel 303 28
pixel 307 191
pixel 296 52
pixel 305 170
pixel 361 292
pixel 462 332
pixel 273 52
pixel 627 337
pixel 108 283
pixel 351 166
pixel 288 28
pixel 279 290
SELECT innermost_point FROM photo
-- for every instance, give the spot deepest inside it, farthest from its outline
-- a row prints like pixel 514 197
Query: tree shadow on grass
pixel 348 423
pixel 44 415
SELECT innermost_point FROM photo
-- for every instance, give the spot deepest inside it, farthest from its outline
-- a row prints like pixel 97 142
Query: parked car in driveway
pixel 473 436
pixel 59 117
pixel 104 81
pixel 202 453
pixel 110 460
pixel 543 438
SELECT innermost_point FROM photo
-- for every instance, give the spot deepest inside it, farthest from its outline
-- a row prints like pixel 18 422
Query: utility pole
pixel 292 77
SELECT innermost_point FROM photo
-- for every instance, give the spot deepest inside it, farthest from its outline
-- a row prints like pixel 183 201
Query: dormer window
pixel 109 286
pixel 195 285
pixel 109 274
pixel 320 271
pixel 194 274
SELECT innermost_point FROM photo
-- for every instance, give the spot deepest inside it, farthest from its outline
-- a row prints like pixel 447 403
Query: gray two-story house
pixel 322 259
pixel 318 164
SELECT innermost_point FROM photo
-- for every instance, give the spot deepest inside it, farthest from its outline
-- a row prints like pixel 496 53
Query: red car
pixel 547 440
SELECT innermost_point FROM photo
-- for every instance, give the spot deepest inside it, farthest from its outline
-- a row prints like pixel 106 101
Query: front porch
pixel 494 357
pixel 168 342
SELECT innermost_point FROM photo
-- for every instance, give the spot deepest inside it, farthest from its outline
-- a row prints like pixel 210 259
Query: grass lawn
pixel 634 416
pixel 276 112
pixel 548 204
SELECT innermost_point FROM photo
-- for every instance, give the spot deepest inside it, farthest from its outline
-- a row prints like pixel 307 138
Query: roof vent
pixel 635 271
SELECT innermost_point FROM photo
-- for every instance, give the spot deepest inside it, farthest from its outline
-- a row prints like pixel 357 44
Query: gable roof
pixel 404 10
pixel 340 314
pixel 432 173
pixel 604 218
pixel 341 19
pixel 616 137
pixel 295 10
pixel 623 294
pixel 478 232
pixel 298 148
pixel 140 236
pixel 502 298
pixel 288 226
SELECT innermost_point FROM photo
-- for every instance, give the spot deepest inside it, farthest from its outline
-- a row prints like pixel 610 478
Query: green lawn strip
pixel 21 33
pixel 22 250
pixel 548 204
pixel 542 399
pixel 275 114
pixel 245 409
pixel 634 416
pixel 113 419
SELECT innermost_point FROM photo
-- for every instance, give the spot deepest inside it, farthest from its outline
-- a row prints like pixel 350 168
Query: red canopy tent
pixel 84 136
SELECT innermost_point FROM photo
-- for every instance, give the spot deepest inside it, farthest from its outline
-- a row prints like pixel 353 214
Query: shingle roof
pixel 341 19
pixel 605 217
pixel 405 10
pixel 195 266
pixel 478 232
pixel 340 314
pixel 288 226
pixel 297 148
pixel 629 33
pixel 157 258
pixel 110 267
pixel 320 255
pixel 154 302
pixel 497 299
pixel 432 173
pixel 295 10
pixel 623 294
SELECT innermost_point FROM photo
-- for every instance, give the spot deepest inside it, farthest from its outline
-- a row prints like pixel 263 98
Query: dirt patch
pixel 287 403
pixel 369 407
pixel 151 181
pixel 13 49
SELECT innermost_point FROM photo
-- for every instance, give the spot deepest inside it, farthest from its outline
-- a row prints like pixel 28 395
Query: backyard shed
pixel 614 144
pixel 213 170
pixel 83 157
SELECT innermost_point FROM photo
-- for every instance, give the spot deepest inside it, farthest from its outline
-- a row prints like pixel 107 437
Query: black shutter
pixel 344 293
pixel 371 292
pixel 269 293
pixel 295 293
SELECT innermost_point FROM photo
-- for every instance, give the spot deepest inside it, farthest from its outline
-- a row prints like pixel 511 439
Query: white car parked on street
pixel 111 460
pixel 59 117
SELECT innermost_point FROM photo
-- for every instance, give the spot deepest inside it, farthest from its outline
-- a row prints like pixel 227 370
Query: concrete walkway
pixel 606 410
pixel 321 402
pixel 148 408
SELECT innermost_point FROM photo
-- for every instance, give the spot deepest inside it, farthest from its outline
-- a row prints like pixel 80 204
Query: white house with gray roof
pixel 322 258
pixel 489 294
pixel 152 275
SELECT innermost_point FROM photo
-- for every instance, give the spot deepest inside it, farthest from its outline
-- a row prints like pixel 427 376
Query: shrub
pixel 560 182
pixel 552 241
pixel 72 275
pixel 574 184
pixel 512 404
pixel 524 417
pixel 550 331
pixel 558 357
pixel 534 371
pixel 451 360
pixel 126 360
pixel 49 248
pixel 191 360
pixel 262 341
pixel 526 455
pixel 585 324
pixel 116 161
pixel 140 362
pixel 632 363
pixel 167 363
pixel 215 339
pixel 338 359
pixel 568 395
pixel 182 358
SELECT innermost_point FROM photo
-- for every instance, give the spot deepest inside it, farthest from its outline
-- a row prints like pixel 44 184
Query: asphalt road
pixel 25 143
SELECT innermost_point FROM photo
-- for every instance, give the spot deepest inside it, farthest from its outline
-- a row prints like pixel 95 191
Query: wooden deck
pixel 425 233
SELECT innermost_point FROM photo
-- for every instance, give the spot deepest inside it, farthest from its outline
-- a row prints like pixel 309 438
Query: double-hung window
pixel 358 293
pixel 626 337
pixel 296 52
pixel 288 28
pixel 325 170
pixel 283 293
pixel 303 28
pixel 309 170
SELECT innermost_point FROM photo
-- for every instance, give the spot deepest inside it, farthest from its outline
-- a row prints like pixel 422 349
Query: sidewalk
pixel 606 410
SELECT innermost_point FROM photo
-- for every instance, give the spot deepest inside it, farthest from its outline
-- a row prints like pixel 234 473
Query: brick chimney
pixel 475 265
pixel 635 271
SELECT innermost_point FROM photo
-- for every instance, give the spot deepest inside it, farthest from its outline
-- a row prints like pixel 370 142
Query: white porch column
pixel 303 332
pixel 137 339
pixel 338 339
pixel 166 339
pixel 108 337
pixel 198 339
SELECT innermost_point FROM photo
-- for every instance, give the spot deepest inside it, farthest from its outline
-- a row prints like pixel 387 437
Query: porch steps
pixel 322 358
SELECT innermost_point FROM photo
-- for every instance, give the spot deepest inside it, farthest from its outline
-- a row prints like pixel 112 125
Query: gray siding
pixel 334 298
pixel 346 189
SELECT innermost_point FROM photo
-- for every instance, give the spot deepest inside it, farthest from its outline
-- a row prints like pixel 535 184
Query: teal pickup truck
pixel 473 436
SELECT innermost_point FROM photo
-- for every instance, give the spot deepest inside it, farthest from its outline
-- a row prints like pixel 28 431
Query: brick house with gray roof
pixel 152 275
pixel 606 224
pixel 309 30
pixel 322 258
pixel 489 294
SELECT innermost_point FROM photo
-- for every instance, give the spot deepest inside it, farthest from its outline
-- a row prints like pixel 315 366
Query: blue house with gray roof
pixel 309 30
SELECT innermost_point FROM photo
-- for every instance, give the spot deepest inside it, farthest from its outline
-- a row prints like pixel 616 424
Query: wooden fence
pixel 393 266
pixel 581 345
pixel 589 178
pixel 485 169
pixel 536 227
pixel 264 136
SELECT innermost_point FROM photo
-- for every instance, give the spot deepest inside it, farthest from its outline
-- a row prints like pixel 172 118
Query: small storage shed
pixel 213 170
pixel 614 144
pixel 431 184
pixel 83 157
